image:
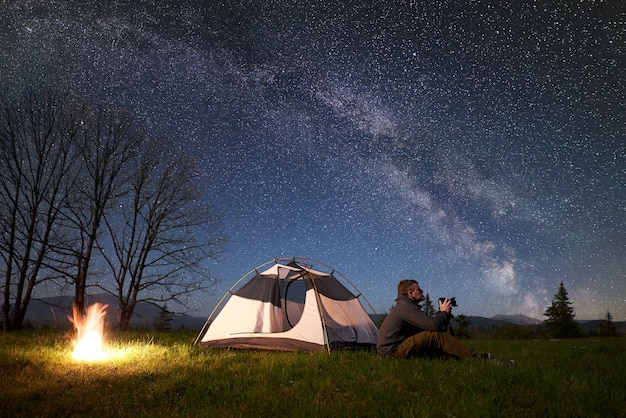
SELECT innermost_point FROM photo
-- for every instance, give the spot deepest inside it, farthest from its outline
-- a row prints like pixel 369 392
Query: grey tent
pixel 286 304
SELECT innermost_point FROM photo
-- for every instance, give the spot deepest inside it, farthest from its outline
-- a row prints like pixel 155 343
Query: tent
pixel 287 305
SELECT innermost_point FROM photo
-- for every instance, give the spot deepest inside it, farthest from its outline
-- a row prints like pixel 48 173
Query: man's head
pixel 412 289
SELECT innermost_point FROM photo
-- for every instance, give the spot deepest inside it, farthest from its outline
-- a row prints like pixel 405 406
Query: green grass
pixel 152 374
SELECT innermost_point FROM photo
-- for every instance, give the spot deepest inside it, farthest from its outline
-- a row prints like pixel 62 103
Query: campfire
pixel 89 344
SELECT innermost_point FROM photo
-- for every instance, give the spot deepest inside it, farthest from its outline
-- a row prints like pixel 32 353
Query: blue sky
pixel 477 147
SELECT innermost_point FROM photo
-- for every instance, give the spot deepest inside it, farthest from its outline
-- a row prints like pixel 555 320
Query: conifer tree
pixel 606 328
pixel 163 321
pixel 462 330
pixel 429 309
pixel 560 322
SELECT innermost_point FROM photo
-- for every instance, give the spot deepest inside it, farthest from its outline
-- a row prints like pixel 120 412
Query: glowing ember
pixel 90 342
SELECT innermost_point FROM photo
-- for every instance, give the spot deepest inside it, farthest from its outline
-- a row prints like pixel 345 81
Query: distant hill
pixel 495 321
pixel 518 319
pixel 590 326
pixel 53 312
pixel 480 323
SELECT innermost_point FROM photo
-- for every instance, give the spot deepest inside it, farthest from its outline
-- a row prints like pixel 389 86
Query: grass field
pixel 152 374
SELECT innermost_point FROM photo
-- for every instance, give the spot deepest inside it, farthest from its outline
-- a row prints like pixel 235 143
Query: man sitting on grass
pixel 409 332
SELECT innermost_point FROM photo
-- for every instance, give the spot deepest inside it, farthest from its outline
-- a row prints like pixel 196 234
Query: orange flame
pixel 90 329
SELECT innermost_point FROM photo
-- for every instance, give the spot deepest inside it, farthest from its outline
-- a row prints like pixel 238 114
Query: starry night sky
pixel 478 147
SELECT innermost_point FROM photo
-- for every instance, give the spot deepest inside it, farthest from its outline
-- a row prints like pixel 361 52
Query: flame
pixel 90 328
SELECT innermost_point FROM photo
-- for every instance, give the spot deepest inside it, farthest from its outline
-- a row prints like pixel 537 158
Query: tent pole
pixel 319 310
pixel 229 291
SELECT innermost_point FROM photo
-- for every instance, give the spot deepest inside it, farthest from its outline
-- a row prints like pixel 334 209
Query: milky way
pixel 477 147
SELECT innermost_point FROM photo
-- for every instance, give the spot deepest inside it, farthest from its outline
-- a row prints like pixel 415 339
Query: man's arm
pixel 414 316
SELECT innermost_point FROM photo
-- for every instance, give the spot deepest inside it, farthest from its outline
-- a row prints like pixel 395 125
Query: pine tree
pixel 163 321
pixel 428 308
pixel 560 322
pixel 462 329
pixel 607 328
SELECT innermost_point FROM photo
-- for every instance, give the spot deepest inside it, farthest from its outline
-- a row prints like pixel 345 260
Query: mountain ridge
pixel 54 312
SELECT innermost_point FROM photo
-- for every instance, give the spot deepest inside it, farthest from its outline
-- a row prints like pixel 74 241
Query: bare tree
pixel 162 233
pixel 37 135
pixel 106 145
pixel 78 184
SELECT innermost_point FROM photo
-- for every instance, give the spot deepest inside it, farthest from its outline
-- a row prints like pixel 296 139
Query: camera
pixel 452 300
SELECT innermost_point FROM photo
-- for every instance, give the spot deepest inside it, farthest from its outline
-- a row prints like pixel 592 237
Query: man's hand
pixel 446 305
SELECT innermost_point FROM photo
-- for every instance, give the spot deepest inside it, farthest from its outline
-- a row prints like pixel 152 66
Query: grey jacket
pixel 404 320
